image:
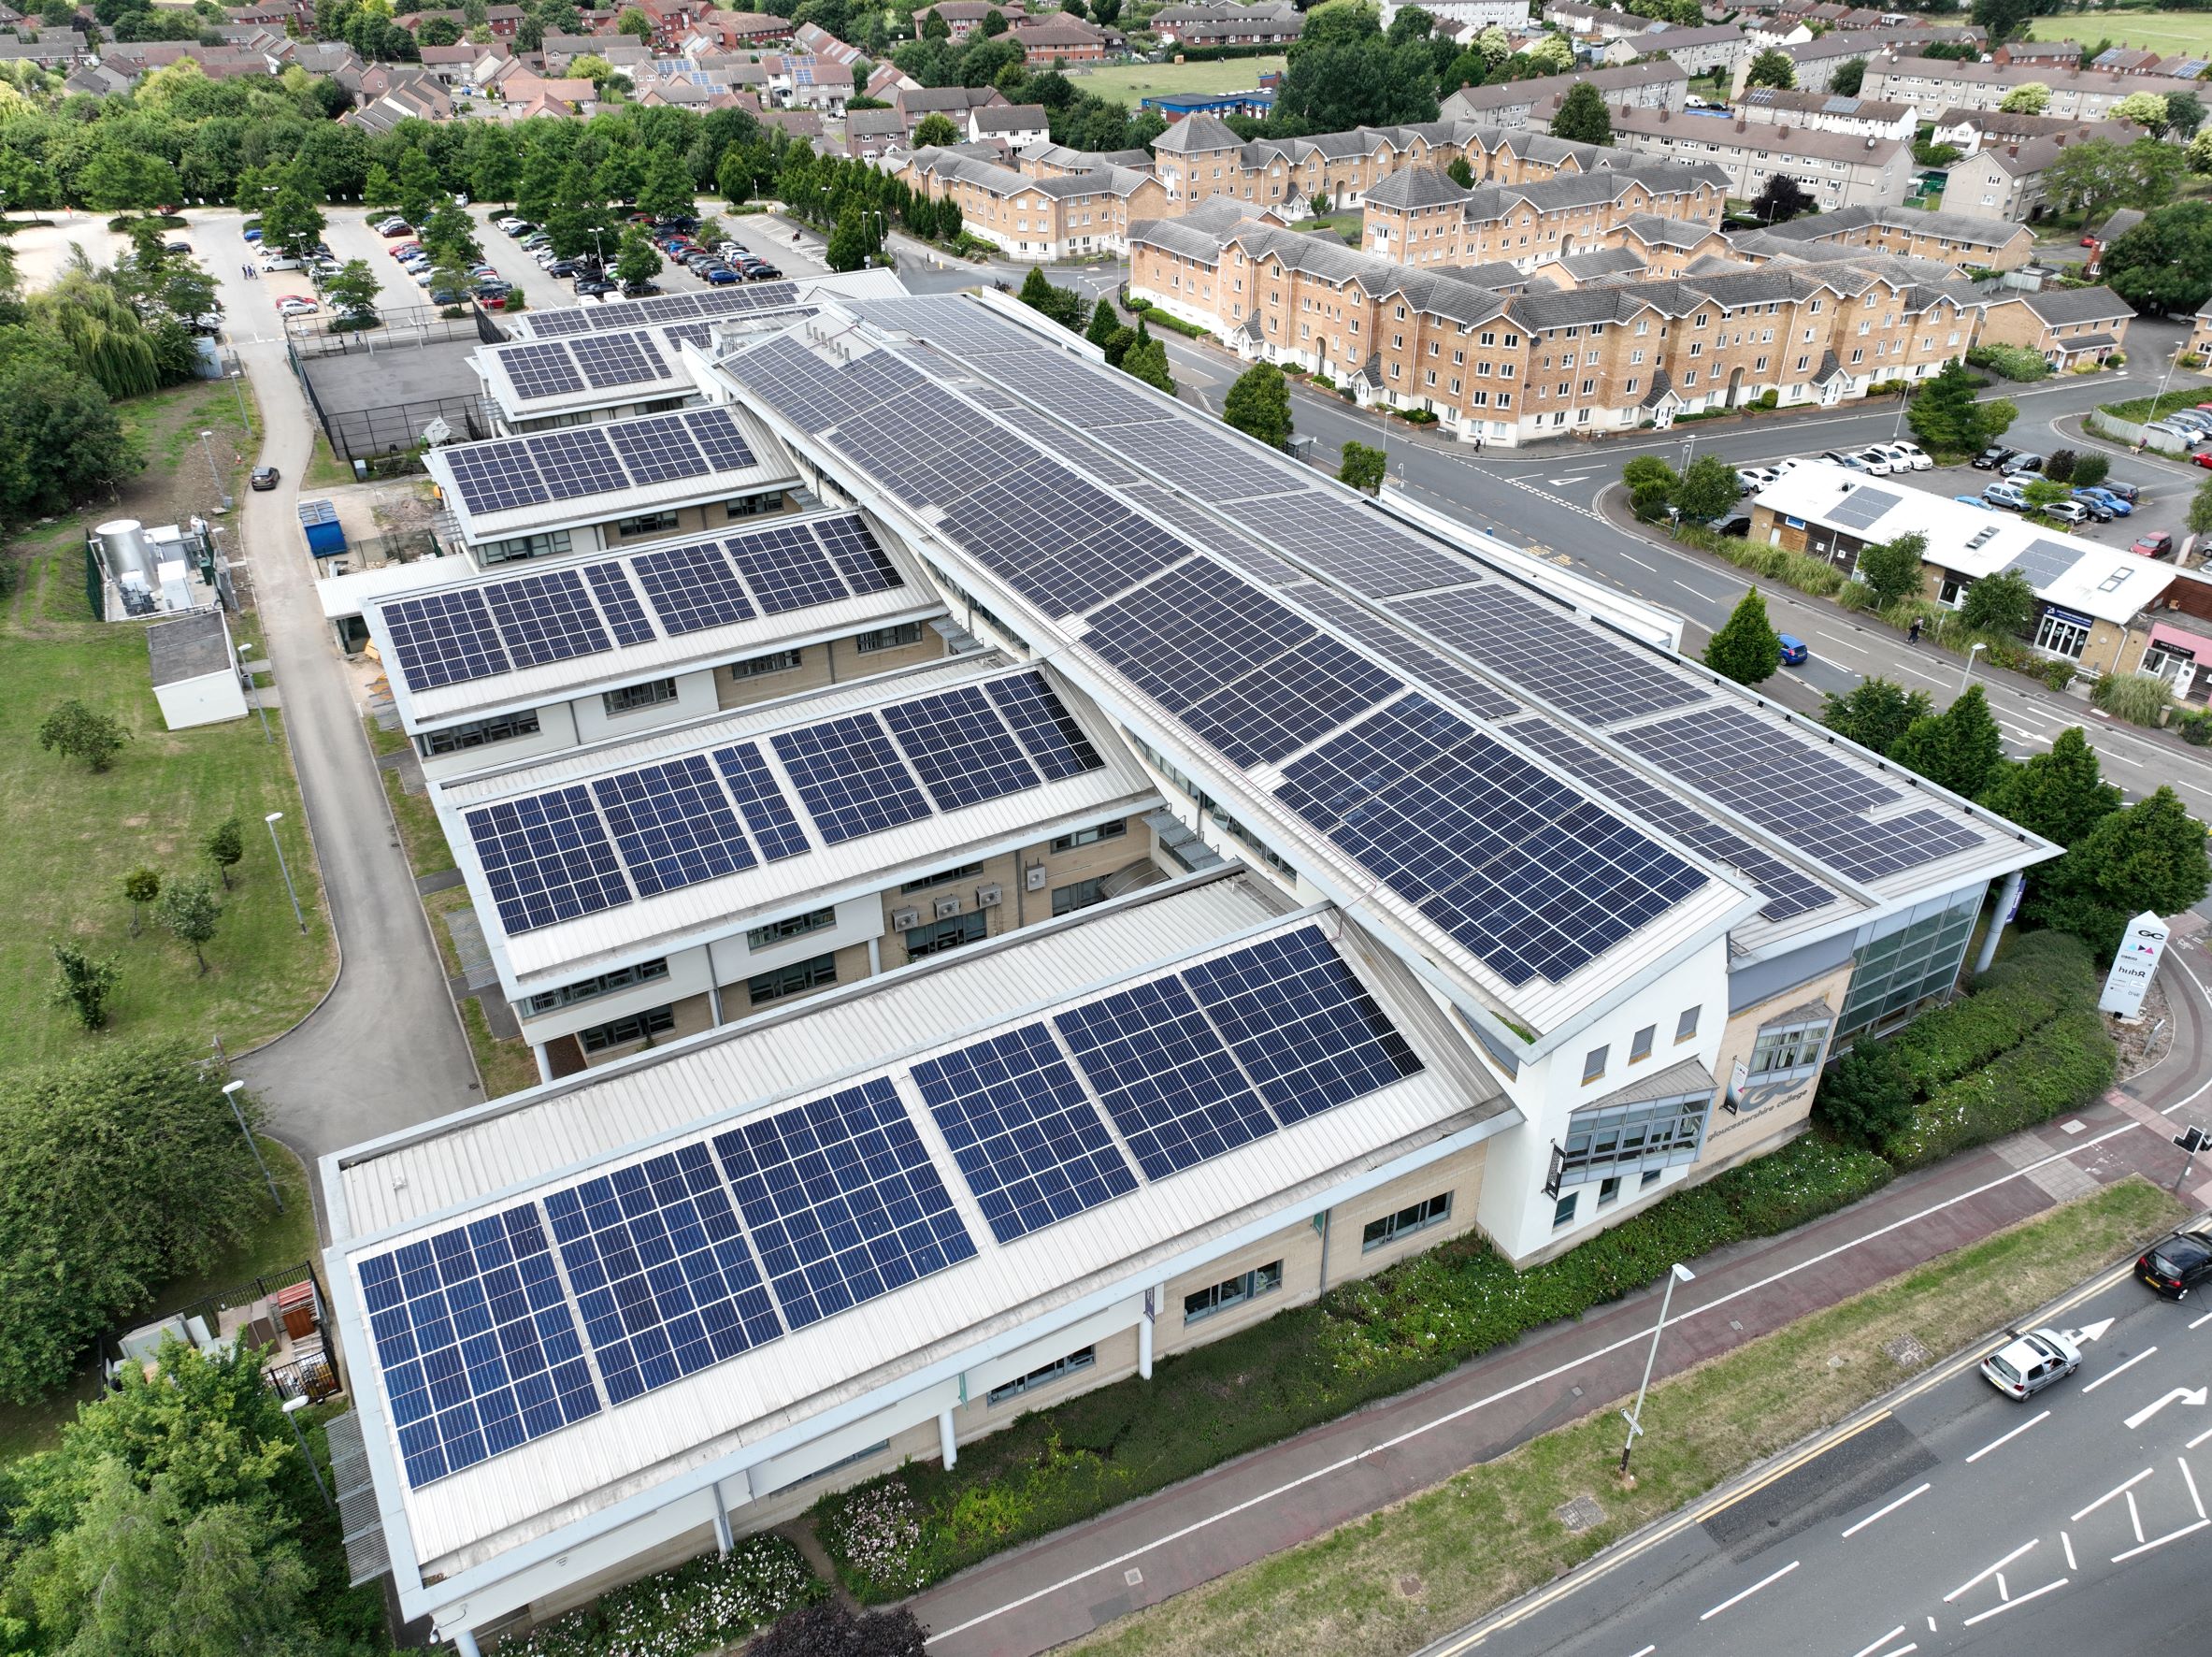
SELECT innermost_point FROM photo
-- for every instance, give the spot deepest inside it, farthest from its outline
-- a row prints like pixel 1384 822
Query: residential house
pixel 1478 15
pixel 1418 216
pixel 1068 215
pixel 1933 85
pixel 1057 38
pixel 1014 128
pixel 1654 84
pixel 2005 180
pixel 2042 54
pixel 2066 326
pixel 1837 169
pixel 730 31
pixel 1965 241
pixel 1716 50
pixel 1273 24
pixel 1604 22
pixel 963 17
pixel 1968 129
pixel 1826 112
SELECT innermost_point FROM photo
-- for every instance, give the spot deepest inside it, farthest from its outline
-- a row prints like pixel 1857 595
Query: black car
pixel 265 477
pixel 2127 492
pixel 562 267
pixel 1995 455
pixel 594 285
pixel 640 290
pixel 763 273
pixel 2176 1264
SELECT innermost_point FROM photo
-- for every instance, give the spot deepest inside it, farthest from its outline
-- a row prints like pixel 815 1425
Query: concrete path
pixel 1058 1590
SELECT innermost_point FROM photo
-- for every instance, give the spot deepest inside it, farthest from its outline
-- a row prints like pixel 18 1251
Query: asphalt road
pixel 1956 1520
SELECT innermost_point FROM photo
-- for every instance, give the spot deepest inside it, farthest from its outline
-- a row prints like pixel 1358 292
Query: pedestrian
pixel 1913 634
pixel 1479 443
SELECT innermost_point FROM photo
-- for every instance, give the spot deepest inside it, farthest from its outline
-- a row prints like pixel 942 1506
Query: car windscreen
pixel 2004 1369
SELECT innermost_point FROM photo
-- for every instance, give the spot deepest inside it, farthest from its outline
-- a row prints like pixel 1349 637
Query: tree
pixel 1105 323
pixel 833 1629
pixel 293 224
pixel 1551 55
pixel 848 248
pixel 2147 110
pixel 2091 468
pixel 141 886
pixel 420 187
pixel 1708 490
pixel 437 31
pixel 1959 749
pixel 2200 509
pixel 352 291
pixel 80 733
pixel 1649 468
pixel 1893 567
pixel 1258 404
pixel 1874 713
pixel 225 847
pixel 1460 173
pixel 1850 76
pixel 993 25
pixel 1782 200
pixel 935 131
pixel 1063 305
pixel 495 172
pixel 2003 603
pixel 2148 857
pixel 188 908
pixel 1147 359
pixel 2165 263
pixel 2060 465
pixel 668 191
pixel 1582 116
pixel 2031 97
pixel 1117 346
pixel 118 180
pixel 637 262
pixel 380 190
pixel 1946 415
pixel 1866 1095
pixel 86 983
pixel 1772 67
pixel 1363 467
pixel 634 21
pixel 1745 649
pixel 2059 794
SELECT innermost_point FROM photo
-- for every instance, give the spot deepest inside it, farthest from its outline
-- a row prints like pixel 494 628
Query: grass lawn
pixel 2147 30
pixel 507 1067
pixel 1402 1576
pixel 2142 409
pixel 69 834
pixel 1345 227
pixel 324 470
pixel 1127 84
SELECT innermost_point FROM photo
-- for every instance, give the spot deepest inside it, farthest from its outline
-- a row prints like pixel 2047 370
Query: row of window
pixel 1563 1211
pixel 1640 1044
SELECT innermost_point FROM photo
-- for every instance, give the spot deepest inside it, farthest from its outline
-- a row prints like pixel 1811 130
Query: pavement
pixel 1030 1599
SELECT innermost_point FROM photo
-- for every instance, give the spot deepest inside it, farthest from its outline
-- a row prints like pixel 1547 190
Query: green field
pixel 2147 31
pixel 1127 84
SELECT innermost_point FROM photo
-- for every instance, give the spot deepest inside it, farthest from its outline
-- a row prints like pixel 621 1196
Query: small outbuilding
pixel 196 672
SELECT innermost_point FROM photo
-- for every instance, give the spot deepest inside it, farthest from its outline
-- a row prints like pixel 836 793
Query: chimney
pixel 2012 149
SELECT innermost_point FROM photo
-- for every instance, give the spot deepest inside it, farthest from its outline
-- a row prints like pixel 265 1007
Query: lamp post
pixel 1966 673
pixel 291 1407
pixel 1680 1274
pixel 271 820
pixel 254 690
pixel 230 1097
pixel 214 476
pixel 246 420
pixel 2172 362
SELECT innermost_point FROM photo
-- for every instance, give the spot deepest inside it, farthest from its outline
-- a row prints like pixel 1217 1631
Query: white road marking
pixel 2011 1604
pixel 2205 1319
pixel 2198 1439
pixel 1874 1646
pixel 1739 1598
pixel 2192 1395
pixel 1983 1576
pixel 1648 568
pixel 2008 1437
pixel 2187 1530
pixel 2116 1491
pixel 2111 1374
pixel 2067 1542
pixel 2097 1330
pixel 2190 1480
pixel 1647 1651
pixel 1903 1650
pixel 1885 1512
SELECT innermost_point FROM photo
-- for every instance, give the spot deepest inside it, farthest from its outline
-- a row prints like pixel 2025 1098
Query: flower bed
pixel 701 1605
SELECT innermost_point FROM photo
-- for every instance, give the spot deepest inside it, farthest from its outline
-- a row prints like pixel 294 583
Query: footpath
pixel 1057 1589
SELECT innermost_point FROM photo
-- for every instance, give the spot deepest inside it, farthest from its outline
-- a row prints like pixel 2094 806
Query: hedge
pixel 2062 1066
pixel 1366 1340
pixel 702 1604
pixel 2042 975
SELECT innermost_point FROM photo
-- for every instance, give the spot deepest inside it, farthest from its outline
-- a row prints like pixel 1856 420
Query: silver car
pixel 2027 1363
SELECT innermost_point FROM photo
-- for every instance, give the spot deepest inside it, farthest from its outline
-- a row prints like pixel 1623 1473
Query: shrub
pixel 2090 468
pixel 2039 976
pixel 2196 728
pixel 702 1604
pixel 1867 1095
pixel 2014 362
pixel 2140 699
pixel 2062 1066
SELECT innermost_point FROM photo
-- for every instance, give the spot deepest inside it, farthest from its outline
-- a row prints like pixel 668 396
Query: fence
pixel 422 325
pixel 294 1365
pixel 389 433
pixel 2128 432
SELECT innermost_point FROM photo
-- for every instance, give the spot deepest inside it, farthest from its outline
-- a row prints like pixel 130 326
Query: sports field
pixel 2147 31
pixel 1127 84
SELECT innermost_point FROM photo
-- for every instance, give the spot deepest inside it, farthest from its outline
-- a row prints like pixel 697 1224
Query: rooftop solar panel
pixel 661 1271
pixel 544 370
pixel 547 859
pixel 786 567
pixel 1046 731
pixel 1280 706
pixel 715 431
pixel 444 638
pixel 495 476
pixel 672 824
pixel 766 812
pixel 552 324
pixel 1355 545
pixel 960 748
pixel 1862 506
pixel 658 450
pixel 1185 633
pixel 546 618
pixel 866 567
pixel 476 1343
pixel 2044 561
pixel 1031 1144
pixel 842 1201
pixel 851 777
pixel 691 587
pixel 618 603
pixel 609 360
pixel 1581 669
pixel 577 461
pixel 1385 640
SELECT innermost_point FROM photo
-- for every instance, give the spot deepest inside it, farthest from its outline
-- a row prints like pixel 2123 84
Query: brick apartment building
pixel 1419 216
pixel 1933 85
pixel 1964 240
pixel 1837 169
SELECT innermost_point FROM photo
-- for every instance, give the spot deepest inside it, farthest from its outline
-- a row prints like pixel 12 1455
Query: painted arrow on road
pixel 2178 1395
pixel 2090 1332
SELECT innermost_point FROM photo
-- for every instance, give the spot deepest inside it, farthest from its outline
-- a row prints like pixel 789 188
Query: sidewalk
pixel 1064 1587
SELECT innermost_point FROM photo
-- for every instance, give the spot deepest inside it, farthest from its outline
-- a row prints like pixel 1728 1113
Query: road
pixel 1952 1519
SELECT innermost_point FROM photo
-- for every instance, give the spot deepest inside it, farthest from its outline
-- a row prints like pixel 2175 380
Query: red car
pixel 2203 458
pixel 2089 241
pixel 2156 544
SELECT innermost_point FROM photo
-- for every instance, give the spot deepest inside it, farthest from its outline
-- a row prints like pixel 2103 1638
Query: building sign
pixel 2141 949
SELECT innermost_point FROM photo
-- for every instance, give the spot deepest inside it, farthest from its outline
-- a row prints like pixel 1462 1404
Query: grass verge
pixel 324 470
pixel 1411 1572
pixel 507 1067
pixel 419 832
pixel 2147 31
pixel 2142 409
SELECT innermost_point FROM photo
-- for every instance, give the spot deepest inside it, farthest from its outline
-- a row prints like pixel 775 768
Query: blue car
pixel 1794 650
pixel 2117 505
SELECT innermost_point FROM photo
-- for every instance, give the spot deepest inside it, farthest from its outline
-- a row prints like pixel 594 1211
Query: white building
pixel 195 671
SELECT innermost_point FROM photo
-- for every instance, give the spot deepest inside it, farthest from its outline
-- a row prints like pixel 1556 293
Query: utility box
pixel 318 521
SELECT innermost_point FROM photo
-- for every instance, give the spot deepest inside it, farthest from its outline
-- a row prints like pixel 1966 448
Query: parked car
pixel 2011 497
pixel 253 235
pixel 2176 1264
pixel 2203 457
pixel 1912 456
pixel 1749 479
pixel 2020 461
pixel 2120 491
pixel 1731 523
pixel 1848 462
pixel 2153 543
pixel 2192 417
pixel 1993 456
pixel 1880 461
pixel 763 273
pixel 594 285
pixel 719 275
pixel 265 477
pixel 1970 500
pixel 640 290
pixel 2121 507
pixel 562 267
pixel 293 305
pixel 2095 505
pixel 281 263
pixel 2027 475
pixel 1794 650
pixel 395 227
pixel 2027 1363
pixel 2066 511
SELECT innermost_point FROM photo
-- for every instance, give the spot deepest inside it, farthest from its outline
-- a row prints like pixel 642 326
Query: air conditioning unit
pixel 905 920
pixel 988 897
pixel 1034 877
pixel 947 908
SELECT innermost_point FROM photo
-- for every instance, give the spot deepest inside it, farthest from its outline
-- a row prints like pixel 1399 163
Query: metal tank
pixel 124 543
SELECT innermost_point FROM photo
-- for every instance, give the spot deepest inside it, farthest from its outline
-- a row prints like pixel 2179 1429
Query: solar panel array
pixel 735 300
pixel 2044 561
pixel 540 370
pixel 576 461
pixel 444 637
pixel 672 824
pixel 1862 506
pixel 547 859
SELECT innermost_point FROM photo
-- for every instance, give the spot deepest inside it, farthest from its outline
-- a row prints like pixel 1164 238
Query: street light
pixel 230 1097
pixel 272 821
pixel 238 375
pixel 244 651
pixel 214 476
pixel 1680 1274
pixel 1966 673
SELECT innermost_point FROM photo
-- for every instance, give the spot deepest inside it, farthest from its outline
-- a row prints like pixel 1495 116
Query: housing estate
pixel 1934 85
pixel 1837 169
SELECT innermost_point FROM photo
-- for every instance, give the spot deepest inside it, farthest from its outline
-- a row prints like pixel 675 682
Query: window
pixel 752 506
pixel 1609 1190
pixel 1249 1286
pixel 646 524
pixel 887 638
pixel 522 546
pixel 1058 1369
pixel 1650 1179
pixel 651 971
pixel 939 936
pixel 1686 1027
pixel 1647 1132
pixel 1639 1047
pixel 459 738
pixel 943 877
pixel 1917 957
pixel 631 698
pixel 795 979
pixel 638 1026
pixel 780 661
pixel 790 927
pixel 1593 1063
pixel 1562 1212
pixel 1079 894
pixel 2063 633
pixel 1380 1233
pixel 1788 1051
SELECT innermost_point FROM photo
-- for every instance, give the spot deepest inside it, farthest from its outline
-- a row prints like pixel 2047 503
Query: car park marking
pixel 2189 1480
pixel 2067 1543
pixel 2117 1490
pixel 1984 1575
pixel 2010 1603
pixel 2205 1319
pixel 1747 1594
pixel 1885 1512
pixel 2187 1530
pixel 2115 1374
pixel 1868 1649
pixel 2007 1439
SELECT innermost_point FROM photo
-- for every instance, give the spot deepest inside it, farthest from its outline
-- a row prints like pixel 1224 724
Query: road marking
pixel 1901 1650
pixel 2198 1439
pixel 1983 1576
pixel 2116 1491
pixel 1646 1652
pixel 2190 1480
pixel 2011 1604
pixel 2067 1542
pixel 2007 1439
pixel 2195 1396
pixel 2187 1530
pixel 1874 1646
pixel 1885 1512
pixel 1649 569
pixel 2113 1374
pixel 2205 1319
pixel 1739 1598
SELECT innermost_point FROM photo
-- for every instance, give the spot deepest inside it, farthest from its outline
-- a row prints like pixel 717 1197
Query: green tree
pixel 141 886
pixel 1893 567
pixel 420 187
pixel 1063 305
pixel 1848 77
pixel 1147 359
pixel 2059 794
pixel 1582 116
pixel 1866 1095
pixel 1105 323
pixel 1772 68
pixel 2091 468
pixel 1747 648
pixel 2149 855
pixel 1258 404
pixel 1946 415
pixel 2003 603
pixel 2147 110
pixel 352 291
pixel 634 21
pixel 2200 508
pixel 188 908
pixel 935 131
pixel 1707 489
pixel 1959 749
pixel 733 178
pixel 496 169
pixel 848 243
pixel 1460 173
pixel 121 181
pixel 86 983
pixel 225 847
pixel 79 732
pixel 936 28
pixel 1647 470
pixel 437 31
pixel 293 224
pixel 2004 20
pixel 2031 97
pixel 993 24
pixel 381 190
pixel 1874 713
pixel 638 261
pixel 1782 199
pixel 669 191
pixel 2165 263
pixel 1363 467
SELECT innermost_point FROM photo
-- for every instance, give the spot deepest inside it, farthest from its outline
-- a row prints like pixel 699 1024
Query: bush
pixel 2042 974
pixel 2196 728
pixel 701 1605
pixel 2060 1067
pixel 1867 1095
pixel 2140 699
pixel 2014 362
pixel 2090 468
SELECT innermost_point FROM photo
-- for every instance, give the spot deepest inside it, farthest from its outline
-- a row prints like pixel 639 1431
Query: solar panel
pixel 1862 506
pixel 1031 1144
pixel 495 476
pixel 1046 731
pixel 2044 561
pixel 786 568
pixel 1181 636
pixel 960 748
pixel 691 587
pixel 661 1271
pixel 851 777
pixel 1301 1024
pixel 540 370
pixel 1280 706
pixel 1580 670
pixel 1164 1076
pixel 842 1201
pixel 866 567
pixel 579 461
pixel 1355 545
pixel 444 638
pixel 618 359
pixel 476 1341
pixel 715 431
pixel 657 450
pixel 672 824
pixel 1058 540
pixel 548 325
pixel 546 618
pixel 1416 661
pixel 547 859
pixel 766 812
pixel 618 601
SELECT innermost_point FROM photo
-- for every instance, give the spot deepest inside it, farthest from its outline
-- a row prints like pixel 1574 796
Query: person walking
pixel 1913 634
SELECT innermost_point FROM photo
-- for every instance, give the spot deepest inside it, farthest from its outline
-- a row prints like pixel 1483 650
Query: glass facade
pixel 1647 1134
pixel 1912 956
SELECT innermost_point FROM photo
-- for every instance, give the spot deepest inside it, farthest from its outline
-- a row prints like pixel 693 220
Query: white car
pixel 1879 461
pixel 2029 1362
pixel 281 262
pixel 294 307
pixel 1753 477
pixel 1912 454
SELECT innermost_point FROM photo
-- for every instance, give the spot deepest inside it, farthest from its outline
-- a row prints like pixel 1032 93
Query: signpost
pixel 2141 949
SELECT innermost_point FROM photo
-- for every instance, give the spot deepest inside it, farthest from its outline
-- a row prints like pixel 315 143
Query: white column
pixel 1152 1297
pixel 723 1541
pixel 464 1643
pixel 544 1068
pixel 2006 897
pixel 945 1446
pixel 875 956
pixel 713 993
